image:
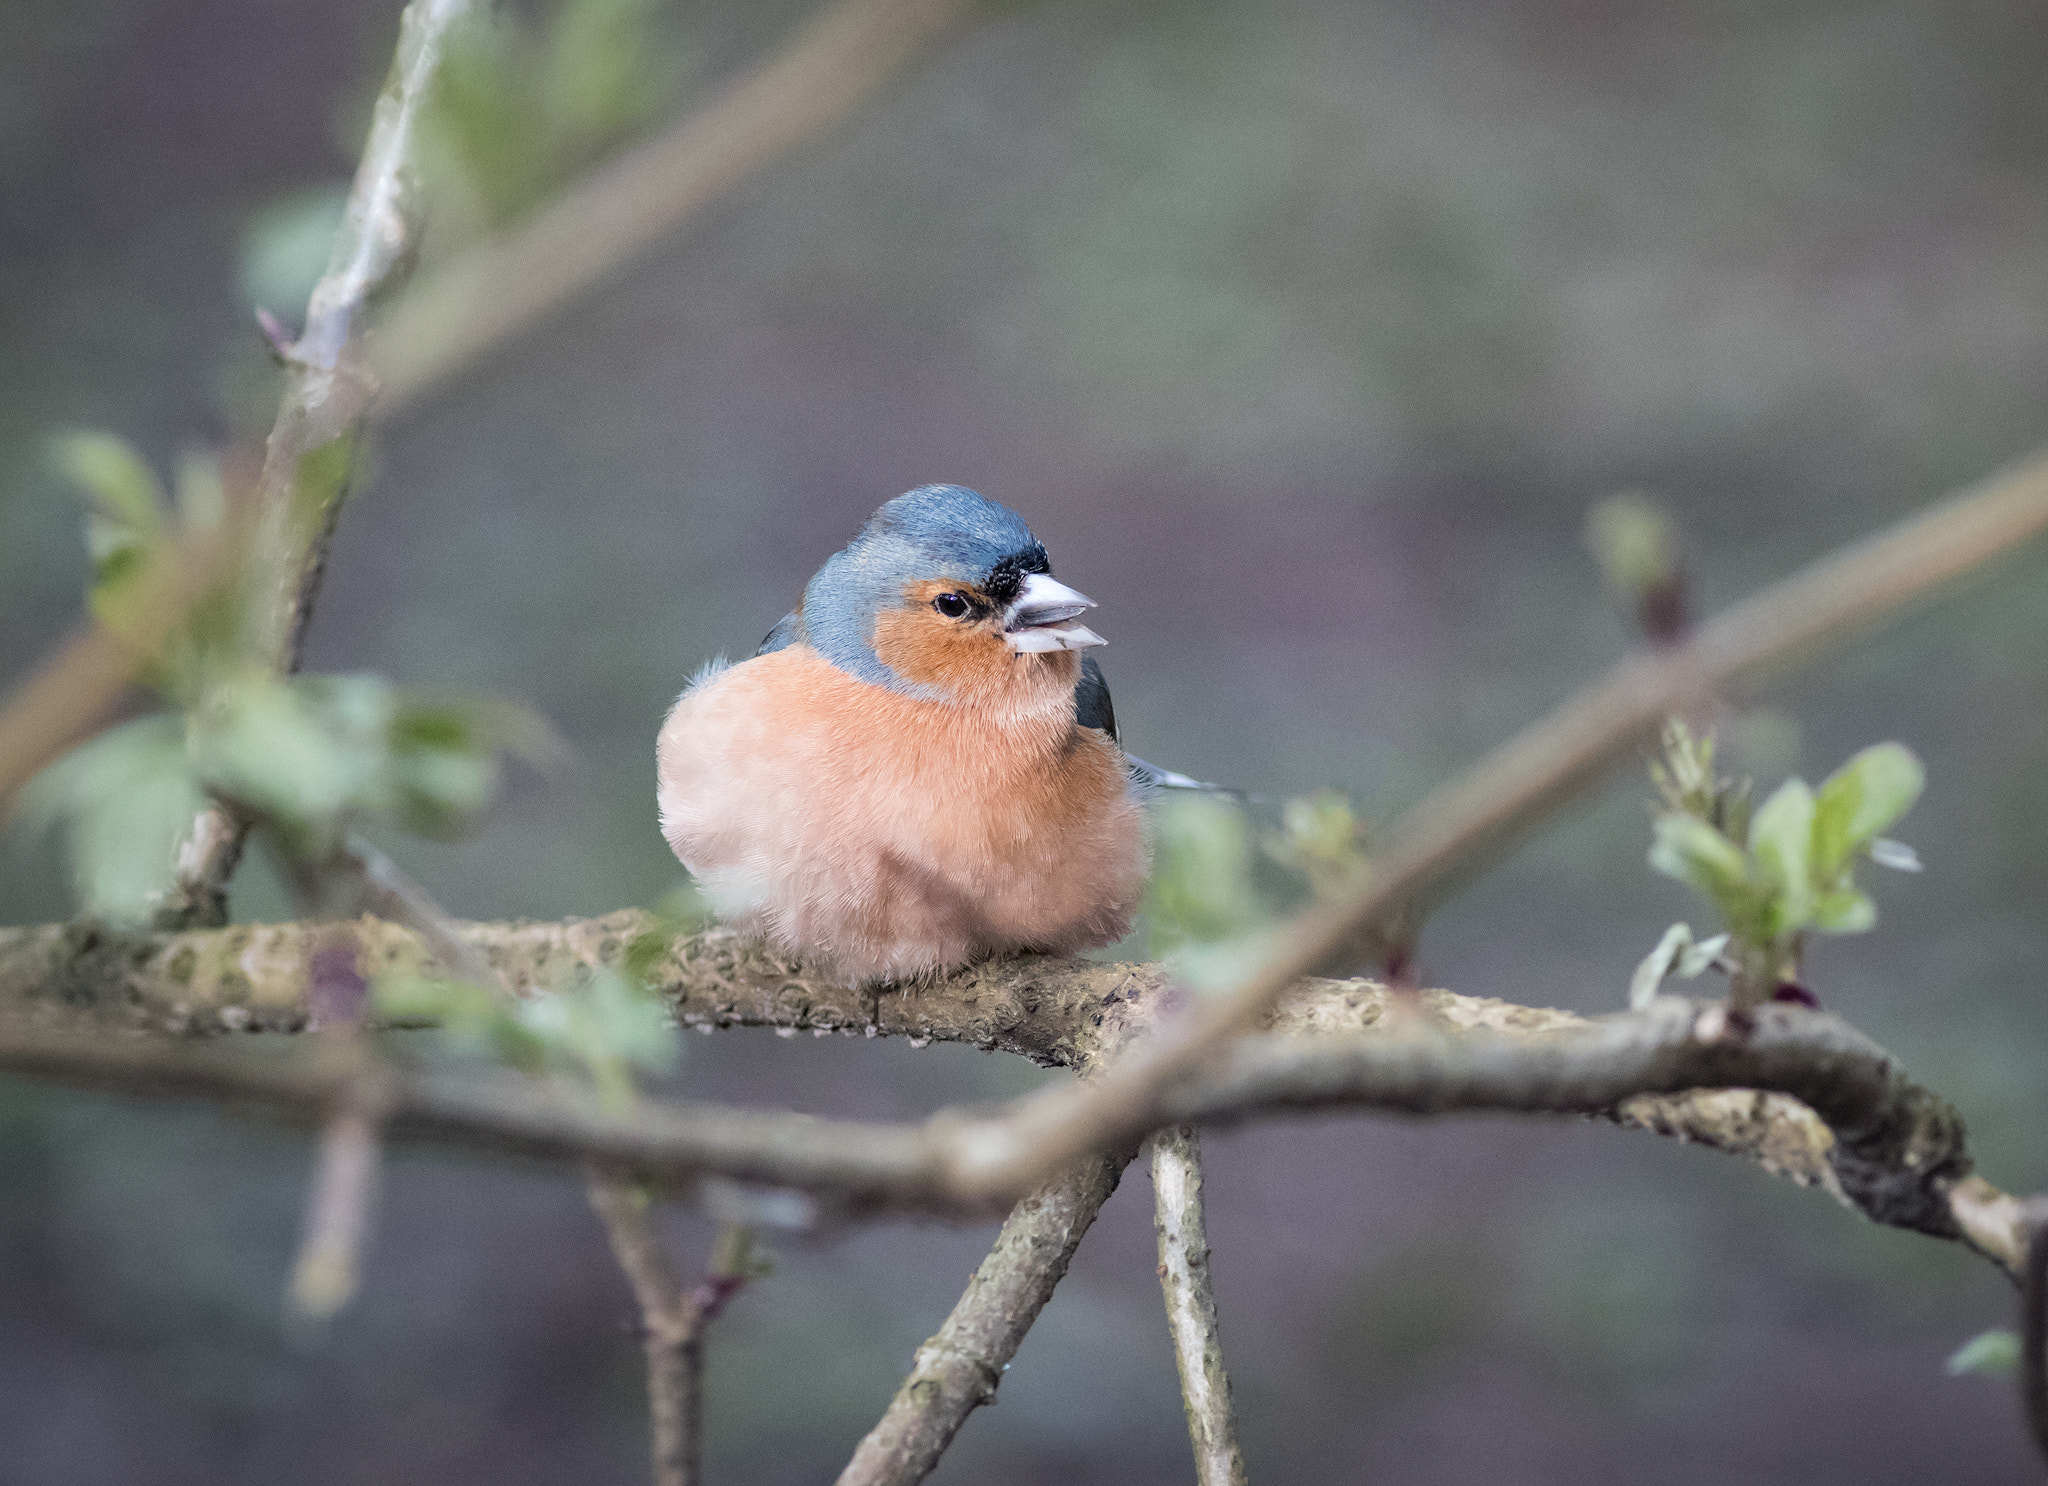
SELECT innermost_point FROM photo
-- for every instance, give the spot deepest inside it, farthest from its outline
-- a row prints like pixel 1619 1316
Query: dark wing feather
pixel 1091 700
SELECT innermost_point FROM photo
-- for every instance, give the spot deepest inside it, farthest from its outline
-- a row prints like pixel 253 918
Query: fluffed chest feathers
pixel 890 835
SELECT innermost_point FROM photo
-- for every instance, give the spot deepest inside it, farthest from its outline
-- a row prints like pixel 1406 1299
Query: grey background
pixel 1303 333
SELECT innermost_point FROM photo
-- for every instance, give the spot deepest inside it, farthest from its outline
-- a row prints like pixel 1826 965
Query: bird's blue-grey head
pixel 935 532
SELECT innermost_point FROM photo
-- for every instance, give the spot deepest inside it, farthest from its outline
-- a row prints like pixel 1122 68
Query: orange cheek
pixel 924 646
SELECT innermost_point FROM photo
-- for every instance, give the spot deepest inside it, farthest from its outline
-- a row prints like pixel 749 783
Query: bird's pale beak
pixel 1042 618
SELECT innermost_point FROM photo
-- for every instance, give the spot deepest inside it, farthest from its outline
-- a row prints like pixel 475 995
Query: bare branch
pixel 337 1211
pixel 1493 805
pixel 491 293
pixel 669 1327
pixel 327 395
pixel 958 1370
pixel 1190 1296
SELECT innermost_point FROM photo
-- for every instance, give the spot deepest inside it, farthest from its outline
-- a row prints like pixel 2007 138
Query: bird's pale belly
pixel 889 836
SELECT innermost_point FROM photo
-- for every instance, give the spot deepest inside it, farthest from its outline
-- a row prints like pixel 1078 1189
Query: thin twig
pixel 349 1155
pixel 1493 805
pixel 492 292
pixel 327 395
pixel 669 1327
pixel 1190 1295
pixel 958 1370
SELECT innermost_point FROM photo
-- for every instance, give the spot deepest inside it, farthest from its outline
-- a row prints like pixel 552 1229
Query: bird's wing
pixel 1091 700
pixel 1092 709
pixel 789 630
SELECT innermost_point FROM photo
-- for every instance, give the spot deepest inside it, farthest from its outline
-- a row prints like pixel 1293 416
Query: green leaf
pixel 1845 911
pixel 1634 542
pixel 1992 1352
pixel 1781 841
pixel 124 800
pixel 113 478
pixel 600 79
pixel 1202 891
pixel 611 1027
pixel 1642 986
pixel 444 755
pixel 1863 798
pixel 298 753
pixel 286 246
pixel 1687 848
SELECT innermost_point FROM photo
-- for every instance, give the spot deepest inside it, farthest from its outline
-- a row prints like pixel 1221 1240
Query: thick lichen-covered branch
pixel 1801 1093
pixel 958 1370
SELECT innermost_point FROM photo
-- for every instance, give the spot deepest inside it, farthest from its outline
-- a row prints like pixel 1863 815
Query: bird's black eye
pixel 951 605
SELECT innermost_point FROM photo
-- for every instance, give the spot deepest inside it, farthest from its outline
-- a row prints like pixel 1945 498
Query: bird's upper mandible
pixel 917 769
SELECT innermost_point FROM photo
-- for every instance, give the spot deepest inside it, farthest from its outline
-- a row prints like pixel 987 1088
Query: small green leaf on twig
pixel 607 1027
pixel 1777 872
pixel 1676 954
pixel 125 799
pixel 1991 1352
pixel 1321 837
pixel 1202 891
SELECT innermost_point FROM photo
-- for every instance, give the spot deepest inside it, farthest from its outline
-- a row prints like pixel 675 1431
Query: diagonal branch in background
pixel 327 396
pixel 1183 1232
pixel 73 689
pixel 492 292
pixel 958 1370
pixel 1494 805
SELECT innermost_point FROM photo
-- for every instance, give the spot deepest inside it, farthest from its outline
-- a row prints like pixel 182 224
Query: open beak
pixel 1042 618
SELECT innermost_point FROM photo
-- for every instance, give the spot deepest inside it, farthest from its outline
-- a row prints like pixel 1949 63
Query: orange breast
pixel 889 835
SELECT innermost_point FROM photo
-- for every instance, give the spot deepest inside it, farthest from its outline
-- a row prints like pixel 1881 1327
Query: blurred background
pixel 1304 333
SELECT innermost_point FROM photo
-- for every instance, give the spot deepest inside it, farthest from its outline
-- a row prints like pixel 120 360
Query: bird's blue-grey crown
pixel 935 531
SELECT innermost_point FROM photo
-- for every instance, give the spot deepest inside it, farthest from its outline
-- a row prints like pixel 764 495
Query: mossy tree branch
pixel 1820 1103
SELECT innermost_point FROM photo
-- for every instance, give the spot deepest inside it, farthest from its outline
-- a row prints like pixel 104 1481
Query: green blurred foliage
pixel 1204 907
pixel 1994 1353
pixel 286 245
pixel 606 1027
pixel 526 103
pixel 1635 543
pixel 123 800
pixel 1777 870
pixel 307 758
pixel 1322 838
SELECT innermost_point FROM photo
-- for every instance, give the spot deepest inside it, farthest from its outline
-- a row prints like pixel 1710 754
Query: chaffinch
pixel 919 768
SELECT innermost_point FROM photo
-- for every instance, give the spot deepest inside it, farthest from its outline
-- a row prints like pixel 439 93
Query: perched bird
pixel 918 768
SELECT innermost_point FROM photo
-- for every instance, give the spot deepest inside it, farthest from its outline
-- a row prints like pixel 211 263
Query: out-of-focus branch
pixel 492 292
pixel 1190 1295
pixel 1495 804
pixel 350 1151
pixel 327 395
pixel 958 1370
pixel 80 680
pixel 2034 1326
